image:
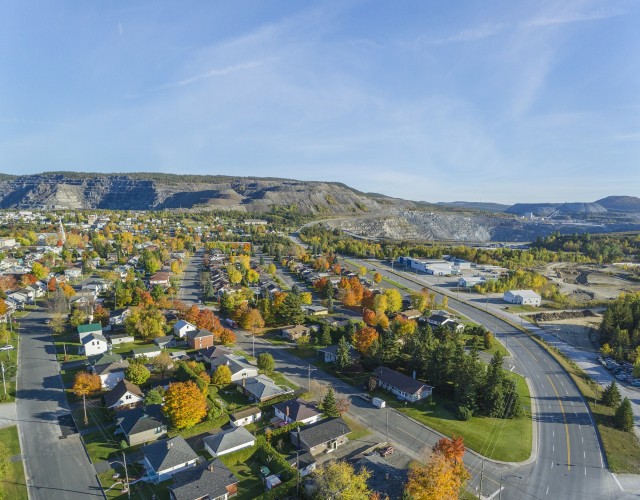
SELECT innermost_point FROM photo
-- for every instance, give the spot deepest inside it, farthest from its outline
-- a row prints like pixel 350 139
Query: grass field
pixel 13 486
pixel 358 431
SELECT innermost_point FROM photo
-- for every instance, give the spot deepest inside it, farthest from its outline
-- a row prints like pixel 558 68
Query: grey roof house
pixel 228 441
pixel 297 410
pixel 165 458
pixel 404 387
pixel 262 388
pixel 141 425
pixel 325 435
pixel 210 480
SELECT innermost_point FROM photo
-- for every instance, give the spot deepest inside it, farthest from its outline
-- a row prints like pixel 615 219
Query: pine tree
pixel 513 403
pixel 624 416
pixel 290 311
pixel 611 395
pixel 328 405
pixel 343 355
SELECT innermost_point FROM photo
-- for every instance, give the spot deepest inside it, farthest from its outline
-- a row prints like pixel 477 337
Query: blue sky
pixel 428 100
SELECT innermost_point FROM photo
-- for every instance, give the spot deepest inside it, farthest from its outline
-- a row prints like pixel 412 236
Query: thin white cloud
pixel 575 17
pixel 632 137
pixel 471 35
pixel 120 29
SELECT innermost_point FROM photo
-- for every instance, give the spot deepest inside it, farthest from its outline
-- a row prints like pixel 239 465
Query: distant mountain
pixel 476 205
pixel 549 209
pixel 621 203
pixel 152 191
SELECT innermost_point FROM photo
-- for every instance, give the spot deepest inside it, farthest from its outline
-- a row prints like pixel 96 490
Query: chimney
pixel 210 467
pixel 287 411
pixel 414 374
pixel 169 444
pixel 244 382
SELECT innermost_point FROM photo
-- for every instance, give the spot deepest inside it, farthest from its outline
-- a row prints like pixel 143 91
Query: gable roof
pixel 116 366
pixel 200 334
pixel 234 362
pixel 253 410
pixel 120 389
pixel 323 431
pixel 146 348
pixel 94 336
pixel 140 419
pixel 93 327
pixel 163 340
pixel 215 351
pixel 398 380
pixel 228 439
pixel 299 409
pixel 182 323
pixel 168 453
pixel 262 387
pixel 105 359
pixel 209 480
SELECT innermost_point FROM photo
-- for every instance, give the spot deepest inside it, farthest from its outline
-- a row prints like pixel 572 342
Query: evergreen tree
pixel 326 335
pixel 226 305
pixel 343 356
pixel 494 401
pixel 290 311
pixel 624 416
pixel 513 403
pixel 328 406
pixel 611 395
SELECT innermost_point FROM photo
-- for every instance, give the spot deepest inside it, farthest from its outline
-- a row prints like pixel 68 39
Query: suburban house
pixel 208 481
pixel 163 459
pixel 111 373
pixel 323 436
pixel 118 316
pixel 160 278
pixel 305 464
pixel 94 344
pixel 141 425
pixel 164 342
pixel 212 354
pixel 411 314
pixel 261 388
pixel 120 338
pixel 228 441
pixel 123 395
pixel 329 353
pixel 182 327
pixel 297 410
pixel 84 330
pixel 315 310
pixel 245 417
pixel 385 479
pixel 438 320
pixel 294 332
pixel 150 351
pixel 73 273
pixel 404 387
pixel 522 297
pixel 239 366
pixel 200 339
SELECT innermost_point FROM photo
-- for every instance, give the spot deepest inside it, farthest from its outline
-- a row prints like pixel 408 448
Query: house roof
pixel 234 362
pixel 146 348
pixel 299 409
pixel 385 479
pixel 208 480
pixel 323 431
pixel 228 439
pixel 525 294
pixel 182 323
pixel 254 410
pixel 411 313
pixel 93 327
pixel 120 389
pixel 200 334
pixel 215 352
pixel 262 387
pixel 116 366
pixel 94 336
pixel 398 380
pixel 304 460
pixel 439 318
pixel 168 453
pixel 140 419
pixel 105 359
pixel 301 329
pixel 163 340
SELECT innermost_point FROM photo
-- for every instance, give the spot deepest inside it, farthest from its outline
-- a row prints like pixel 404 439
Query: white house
pixel 111 373
pixel 123 395
pixel 404 387
pixel 73 273
pixel 245 417
pixel 297 410
pixel 522 297
pixel 182 327
pixel 239 366
pixel 228 441
pixel 84 330
pixel 94 344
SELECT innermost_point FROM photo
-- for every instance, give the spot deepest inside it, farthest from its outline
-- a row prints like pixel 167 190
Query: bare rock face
pixel 160 191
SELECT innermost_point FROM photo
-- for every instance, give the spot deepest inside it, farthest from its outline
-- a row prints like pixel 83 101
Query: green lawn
pixel 139 491
pixel 508 440
pixel 202 427
pixel 358 431
pixel 280 379
pixel 14 486
pixel 10 360
pixel 101 444
pixel 248 473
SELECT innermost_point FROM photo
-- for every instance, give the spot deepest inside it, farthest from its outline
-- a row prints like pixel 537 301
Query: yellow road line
pixel 566 426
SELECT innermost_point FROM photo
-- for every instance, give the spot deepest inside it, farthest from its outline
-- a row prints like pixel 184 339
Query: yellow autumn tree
pixel 185 404
pixel 84 385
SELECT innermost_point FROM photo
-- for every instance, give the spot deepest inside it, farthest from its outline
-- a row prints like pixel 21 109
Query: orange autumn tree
pixel 364 339
pixel 185 405
pixel 227 337
pixel 84 385
pixel 443 476
pixel 369 317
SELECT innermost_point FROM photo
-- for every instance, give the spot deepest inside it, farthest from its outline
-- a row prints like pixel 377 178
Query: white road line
pixel 584 454
pixel 554 432
pixel 617 482
pixel 585 471
pixel 601 461
pixel 553 447
pixel 582 437
pixel 547 490
pixel 552 464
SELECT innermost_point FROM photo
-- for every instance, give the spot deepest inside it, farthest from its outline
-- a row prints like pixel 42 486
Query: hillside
pixel 141 191
pixel 621 203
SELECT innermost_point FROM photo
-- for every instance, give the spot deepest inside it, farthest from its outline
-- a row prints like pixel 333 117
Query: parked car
pixel 47 321
pixel 7 347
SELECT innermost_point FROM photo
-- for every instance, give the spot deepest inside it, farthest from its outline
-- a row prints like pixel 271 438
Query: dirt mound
pixel 560 315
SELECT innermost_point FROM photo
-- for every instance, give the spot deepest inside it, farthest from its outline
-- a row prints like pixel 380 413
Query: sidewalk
pixel 8 415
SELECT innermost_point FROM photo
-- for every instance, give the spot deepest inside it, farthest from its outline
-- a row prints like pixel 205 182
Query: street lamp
pixel 126 474
pixel 501 478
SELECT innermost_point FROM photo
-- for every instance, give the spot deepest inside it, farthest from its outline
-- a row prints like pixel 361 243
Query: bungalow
pixel 305 464
pixel 239 366
pixel 438 320
pixel 316 310
pixel 210 480
pixel 411 314
pixel 160 278
pixel 94 344
pixel 123 395
pixel 120 338
pixel 163 459
pixel 141 425
pixel 84 330
pixel 164 342
pixel 404 387
pixel 294 332
pixel 228 441
pixel 182 327
pixel 522 297
pixel 323 436
pixel 150 351
pixel 200 339
pixel 110 373
pixel 73 273
pixel 297 410
pixel 262 388
pixel 330 353
pixel 245 417
pixel 117 316
pixel 212 354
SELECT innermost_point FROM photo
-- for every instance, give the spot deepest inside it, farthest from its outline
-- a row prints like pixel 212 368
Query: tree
pixel 343 354
pixel 227 337
pixel 147 322
pixel 290 311
pixel 52 284
pixel 452 449
pixel 488 340
pixel 206 320
pixel 266 362
pixel 185 404
pixel 154 396
pixel 77 317
pixel 394 299
pixel 611 395
pixel 162 362
pixel 377 278
pixel 101 315
pixel 328 405
pixel 137 373
pixel 624 416
pixel 251 320
pixel 3 307
pixel 338 480
pixel 326 335
pixel 438 479
pixel 39 271
pixel 85 384
pixel 222 376
pixel 364 339
pixel 306 298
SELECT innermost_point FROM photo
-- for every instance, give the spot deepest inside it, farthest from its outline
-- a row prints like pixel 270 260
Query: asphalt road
pixel 56 464
pixel 570 461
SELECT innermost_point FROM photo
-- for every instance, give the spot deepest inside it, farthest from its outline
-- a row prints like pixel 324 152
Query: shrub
pixel 464 413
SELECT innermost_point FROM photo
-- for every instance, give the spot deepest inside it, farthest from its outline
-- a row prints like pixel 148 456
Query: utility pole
pixel 4 383
pixel 481 478
pixel 253 344
pixel 126 474
pixel 309 377
pixel 387 427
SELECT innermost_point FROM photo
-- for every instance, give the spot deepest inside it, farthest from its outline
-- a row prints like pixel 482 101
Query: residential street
pixel 56 464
